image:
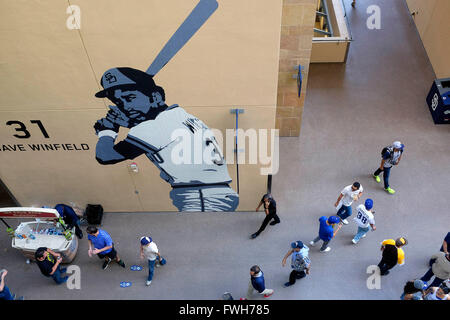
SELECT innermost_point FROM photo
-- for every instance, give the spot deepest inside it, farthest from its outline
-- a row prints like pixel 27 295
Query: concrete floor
pixel 351 112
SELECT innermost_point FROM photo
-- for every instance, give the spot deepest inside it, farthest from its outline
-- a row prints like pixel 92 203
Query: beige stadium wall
pixel 50 73
pixel 433 23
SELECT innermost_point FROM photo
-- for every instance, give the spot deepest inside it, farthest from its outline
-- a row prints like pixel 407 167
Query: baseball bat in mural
pixel 195 20
pixel 156 129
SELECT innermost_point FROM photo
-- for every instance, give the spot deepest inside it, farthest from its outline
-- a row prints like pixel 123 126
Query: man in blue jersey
pixel 326 232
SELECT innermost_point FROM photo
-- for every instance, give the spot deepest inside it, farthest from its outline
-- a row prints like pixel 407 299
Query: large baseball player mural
pixel 139 104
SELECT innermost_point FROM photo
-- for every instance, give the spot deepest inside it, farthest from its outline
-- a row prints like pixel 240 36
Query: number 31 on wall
pixel 23 129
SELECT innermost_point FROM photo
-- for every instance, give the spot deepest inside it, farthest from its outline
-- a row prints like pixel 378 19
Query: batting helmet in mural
pixel 127 78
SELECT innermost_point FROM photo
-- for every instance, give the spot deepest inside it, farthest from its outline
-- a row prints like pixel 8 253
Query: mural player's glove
pixel 105 124
pixel 115 115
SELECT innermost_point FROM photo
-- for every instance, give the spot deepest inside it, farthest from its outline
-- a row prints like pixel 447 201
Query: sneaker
pixel 312 244
pixel 157 265
pixel 121 263
pixel 377 178
pixel 287 284
pixel 268 295
pixel 364 236
pixel 326 250
pixel 384 274
pixel 148 283
pixel 106 264
pixel 354 241
pixel 243 299
pixel 273 223
pixel 345 221
pixel 389 190
pixel 253 236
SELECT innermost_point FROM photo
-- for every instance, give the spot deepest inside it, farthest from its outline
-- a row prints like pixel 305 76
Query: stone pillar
pixel 297 25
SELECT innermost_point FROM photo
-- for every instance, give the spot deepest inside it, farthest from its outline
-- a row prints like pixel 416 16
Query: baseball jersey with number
pixel 392 159
pixel 300 260
pixel 182 147
pixel 349 194
pixel 364 217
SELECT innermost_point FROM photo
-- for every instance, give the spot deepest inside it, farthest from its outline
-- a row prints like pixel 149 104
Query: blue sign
pixel 136 268
pixel 299 80
pixel 125 284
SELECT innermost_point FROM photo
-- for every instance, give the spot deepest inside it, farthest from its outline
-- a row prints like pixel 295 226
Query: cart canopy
pixel 28 212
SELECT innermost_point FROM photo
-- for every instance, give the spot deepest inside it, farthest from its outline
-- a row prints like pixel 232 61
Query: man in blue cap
pixel 300 263
pixel 364 218
pixel 326 232
pixel 150 251
pixel 390 156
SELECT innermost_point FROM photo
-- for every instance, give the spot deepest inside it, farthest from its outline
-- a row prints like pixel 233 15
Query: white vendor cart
pixel 48 230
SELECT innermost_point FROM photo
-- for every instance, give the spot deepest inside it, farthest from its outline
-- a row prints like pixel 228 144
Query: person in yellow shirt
pixel 393 254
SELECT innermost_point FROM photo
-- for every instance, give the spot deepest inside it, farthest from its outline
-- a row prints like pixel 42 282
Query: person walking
pixel 101 244
pixel 300 262
pixel 364 218
pixel 48 262
pixel 270 209
pixel 257 283
pixel 149 250
pixel 5 293
pixel 440 269
pixel 70 218
pixel 393 254
pixel 348 195
pixel 326 232
pixel 390 156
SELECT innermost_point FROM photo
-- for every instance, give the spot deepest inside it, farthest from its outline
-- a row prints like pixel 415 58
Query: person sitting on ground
pixel 413 290
pixel 440 269
pixel 438 293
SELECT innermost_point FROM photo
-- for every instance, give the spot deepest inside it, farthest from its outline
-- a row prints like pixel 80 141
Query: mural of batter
pixel 139 105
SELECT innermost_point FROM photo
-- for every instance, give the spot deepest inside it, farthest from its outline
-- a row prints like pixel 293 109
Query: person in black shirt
pixel 70 218
pixel 48 262
pixel 270 208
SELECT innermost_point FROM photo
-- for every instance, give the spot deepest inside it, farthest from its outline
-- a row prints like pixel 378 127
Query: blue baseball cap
pixel 368 204
pixel 333 219
pixel 297 244
pixel 146 240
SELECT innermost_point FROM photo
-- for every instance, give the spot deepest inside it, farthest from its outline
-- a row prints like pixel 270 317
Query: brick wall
pixel 297 25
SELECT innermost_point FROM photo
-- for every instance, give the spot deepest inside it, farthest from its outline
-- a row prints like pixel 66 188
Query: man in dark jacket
pixel 257 283
pixel 270 209
pixel 70 218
